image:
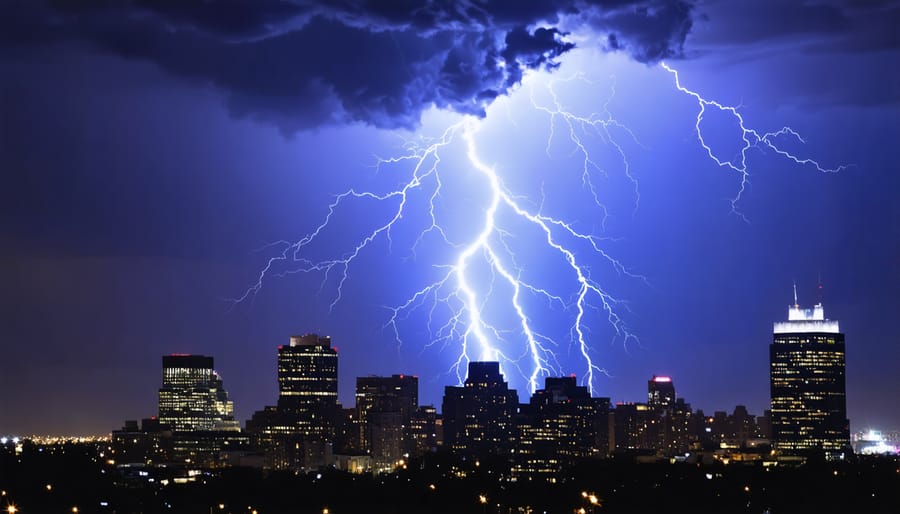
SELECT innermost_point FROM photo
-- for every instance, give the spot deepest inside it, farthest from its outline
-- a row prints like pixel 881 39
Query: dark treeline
pixel 79 477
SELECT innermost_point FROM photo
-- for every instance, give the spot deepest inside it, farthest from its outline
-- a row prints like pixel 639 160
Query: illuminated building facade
pixel 660 393
pixel 560 425
pixel 192 397
pixel 478 416
pixel 635 428
pixel 298 433
pixel 385 408
pixel 661 402
pixel 308 384
pixel 424 430
pixel 808 390
pixel 195 406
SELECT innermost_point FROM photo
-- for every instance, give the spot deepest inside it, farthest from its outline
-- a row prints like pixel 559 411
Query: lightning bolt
pixel 457 301
pixel 751 139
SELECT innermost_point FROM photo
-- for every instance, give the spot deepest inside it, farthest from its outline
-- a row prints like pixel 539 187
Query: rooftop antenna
pixel 796 303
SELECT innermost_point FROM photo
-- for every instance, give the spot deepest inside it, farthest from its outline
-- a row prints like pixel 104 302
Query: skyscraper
pixel 195 406
pixel 660 393
pixel 385 408
pixel 807 373
pixel 308 384
pixel 478 417
pixel 298 432
pixel 559 426
pixel 192 397
pixel 671 416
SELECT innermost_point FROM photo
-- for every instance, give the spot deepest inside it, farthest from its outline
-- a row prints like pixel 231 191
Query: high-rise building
pixel 478 416
pixel 195 406
pixel 808 390
pixel 559 426
pixel 299 431
pixel 635 427
pixel 192 397
pixel 660 393
pixel 308 384
pixel 423 430
pixel 386 406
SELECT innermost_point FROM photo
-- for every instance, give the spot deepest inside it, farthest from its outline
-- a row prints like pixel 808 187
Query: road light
pixel 590 498
pixel 12 509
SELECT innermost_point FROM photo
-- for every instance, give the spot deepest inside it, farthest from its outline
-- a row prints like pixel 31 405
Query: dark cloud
pixel 649 31
pixel 303 63
pixel 818 26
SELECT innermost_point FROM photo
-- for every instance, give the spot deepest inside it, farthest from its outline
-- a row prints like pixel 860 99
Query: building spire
pixel 796 303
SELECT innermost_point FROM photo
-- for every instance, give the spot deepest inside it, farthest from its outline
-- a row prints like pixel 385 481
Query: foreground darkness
pixel 79 477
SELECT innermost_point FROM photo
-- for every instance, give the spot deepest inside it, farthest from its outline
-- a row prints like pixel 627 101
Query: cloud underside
pixel 303 64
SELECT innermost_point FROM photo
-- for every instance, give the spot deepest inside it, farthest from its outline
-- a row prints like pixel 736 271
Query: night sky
pixel 153 154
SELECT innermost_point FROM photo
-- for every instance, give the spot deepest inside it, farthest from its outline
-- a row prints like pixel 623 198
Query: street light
pixel 590 498
pixel 12 509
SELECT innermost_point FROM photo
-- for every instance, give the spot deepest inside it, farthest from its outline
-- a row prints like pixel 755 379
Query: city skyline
pixel 661 390
pixel 692 159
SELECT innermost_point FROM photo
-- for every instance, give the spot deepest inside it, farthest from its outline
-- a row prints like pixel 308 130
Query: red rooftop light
pixel 662 379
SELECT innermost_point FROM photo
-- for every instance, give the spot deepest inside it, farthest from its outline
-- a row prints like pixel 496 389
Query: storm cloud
pixel 302 64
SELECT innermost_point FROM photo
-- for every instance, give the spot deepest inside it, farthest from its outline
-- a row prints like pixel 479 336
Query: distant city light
pixel 873 442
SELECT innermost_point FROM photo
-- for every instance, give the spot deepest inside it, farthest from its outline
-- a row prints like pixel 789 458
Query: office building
pixel 308 384
pixel 424 430
pixel 194 405
pixel 560 425
pixel 660 393
pixel 299 432
pixel 635 428
pixel 808 389
pixel 385 409
pixel 478 416
pixel 192 397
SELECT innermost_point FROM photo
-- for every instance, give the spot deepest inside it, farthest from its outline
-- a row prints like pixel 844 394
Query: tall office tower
pixel 423 430
pixel 560 425
pixel 192 397
pixel 385 408
pixel 660 393
pixel 478 416
pixel 809 402
pixel 634 428
pixel 299 431
pixel 308 385
pixel 668 424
